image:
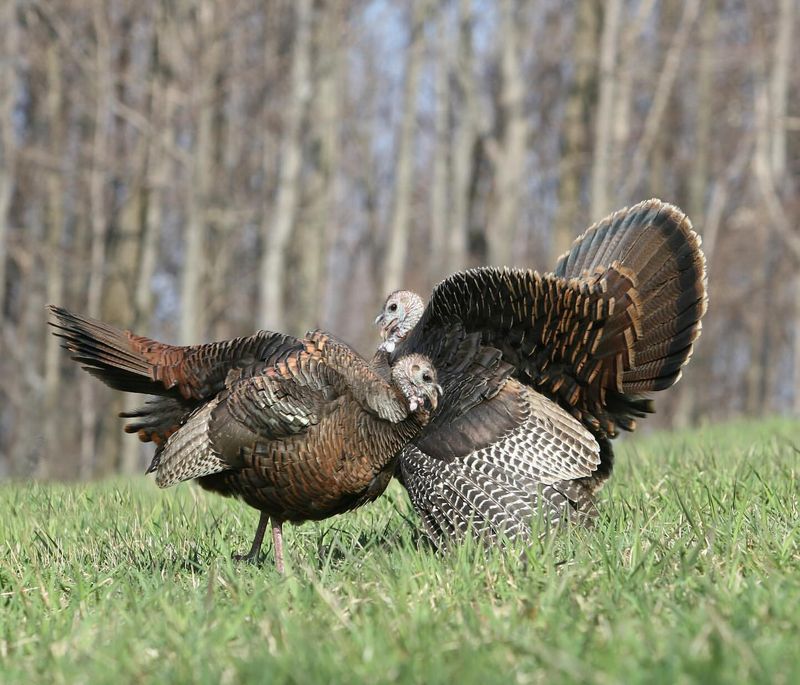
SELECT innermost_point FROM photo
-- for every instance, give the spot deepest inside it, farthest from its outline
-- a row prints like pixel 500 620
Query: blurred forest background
pixel 194 169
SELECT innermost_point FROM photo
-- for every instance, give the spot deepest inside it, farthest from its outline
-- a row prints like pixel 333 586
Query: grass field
pixel 692 575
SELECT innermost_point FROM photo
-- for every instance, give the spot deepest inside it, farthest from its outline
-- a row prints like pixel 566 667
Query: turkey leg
pixel 277 543
pixel 255 548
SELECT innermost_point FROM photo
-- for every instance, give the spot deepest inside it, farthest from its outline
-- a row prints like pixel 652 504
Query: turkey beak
pixel 387 327
pixel 434 396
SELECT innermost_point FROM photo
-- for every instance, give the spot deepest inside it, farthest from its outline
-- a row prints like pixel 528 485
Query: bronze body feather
pixel 298 428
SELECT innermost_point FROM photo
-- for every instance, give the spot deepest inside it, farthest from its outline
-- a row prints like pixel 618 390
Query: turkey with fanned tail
pixel 300 429
pixel 568 359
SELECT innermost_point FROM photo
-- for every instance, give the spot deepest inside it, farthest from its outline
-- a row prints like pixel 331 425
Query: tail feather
pixel 681 341
pixel 106 353
pixel 656 244
pixel 159 418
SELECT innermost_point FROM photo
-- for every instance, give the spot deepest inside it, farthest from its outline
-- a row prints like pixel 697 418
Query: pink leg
pixel 277 543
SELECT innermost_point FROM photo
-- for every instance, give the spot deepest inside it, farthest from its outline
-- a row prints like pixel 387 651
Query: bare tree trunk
pixel 720 192
pixel 779 85
pixel 604 129
pixel 698 179
pixel 395 259
pixel 781 225
pixel 319 223
pixel 779 95
pixel 699 185
pixel 157 177
pixel 440 206
pixel 98 220
pixel 772 153
pixel 154 178
pixel 100 160
pixel 576 128
pixel 150 231
pixel 235 140
pixel 23 343
pixel 193 296
pixel 770 173
pixel 663 89
pixel 9 40
pixel 53 258
pixel 509 165
pixel 629 54
pixel 276 230
pixel 464 140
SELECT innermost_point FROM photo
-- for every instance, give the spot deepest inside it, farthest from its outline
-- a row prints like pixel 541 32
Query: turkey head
pixel 415 377
pixel 401 312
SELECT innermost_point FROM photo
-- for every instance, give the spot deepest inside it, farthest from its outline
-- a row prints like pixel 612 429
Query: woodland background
pixel 194 169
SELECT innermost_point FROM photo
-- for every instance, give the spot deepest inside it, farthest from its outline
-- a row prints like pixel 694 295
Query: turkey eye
pixel 426 377
pixel 393 307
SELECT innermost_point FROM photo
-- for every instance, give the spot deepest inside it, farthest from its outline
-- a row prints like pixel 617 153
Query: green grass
pixel 692 575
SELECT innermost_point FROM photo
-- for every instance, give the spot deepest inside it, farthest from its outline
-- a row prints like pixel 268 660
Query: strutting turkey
pixel 300 429
pixel 569 359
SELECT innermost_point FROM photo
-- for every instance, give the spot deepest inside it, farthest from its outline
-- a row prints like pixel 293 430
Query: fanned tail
pixel 655 243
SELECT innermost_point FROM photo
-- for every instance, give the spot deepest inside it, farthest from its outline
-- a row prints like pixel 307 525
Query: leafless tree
pixel 196 169
pixel 399 227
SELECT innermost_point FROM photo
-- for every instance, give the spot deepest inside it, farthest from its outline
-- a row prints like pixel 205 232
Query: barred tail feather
pixel 655 242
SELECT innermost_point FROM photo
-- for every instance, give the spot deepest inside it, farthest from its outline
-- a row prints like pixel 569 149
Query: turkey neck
pixel 380 364
pixel 372 391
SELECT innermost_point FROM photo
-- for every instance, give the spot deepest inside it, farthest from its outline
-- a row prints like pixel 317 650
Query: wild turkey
pixel 579 348
pixel 298 428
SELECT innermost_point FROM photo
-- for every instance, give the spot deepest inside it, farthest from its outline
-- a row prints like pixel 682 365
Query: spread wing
pixel 617 319
pixel 259 405
pixel 266 403
pixel 571 339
